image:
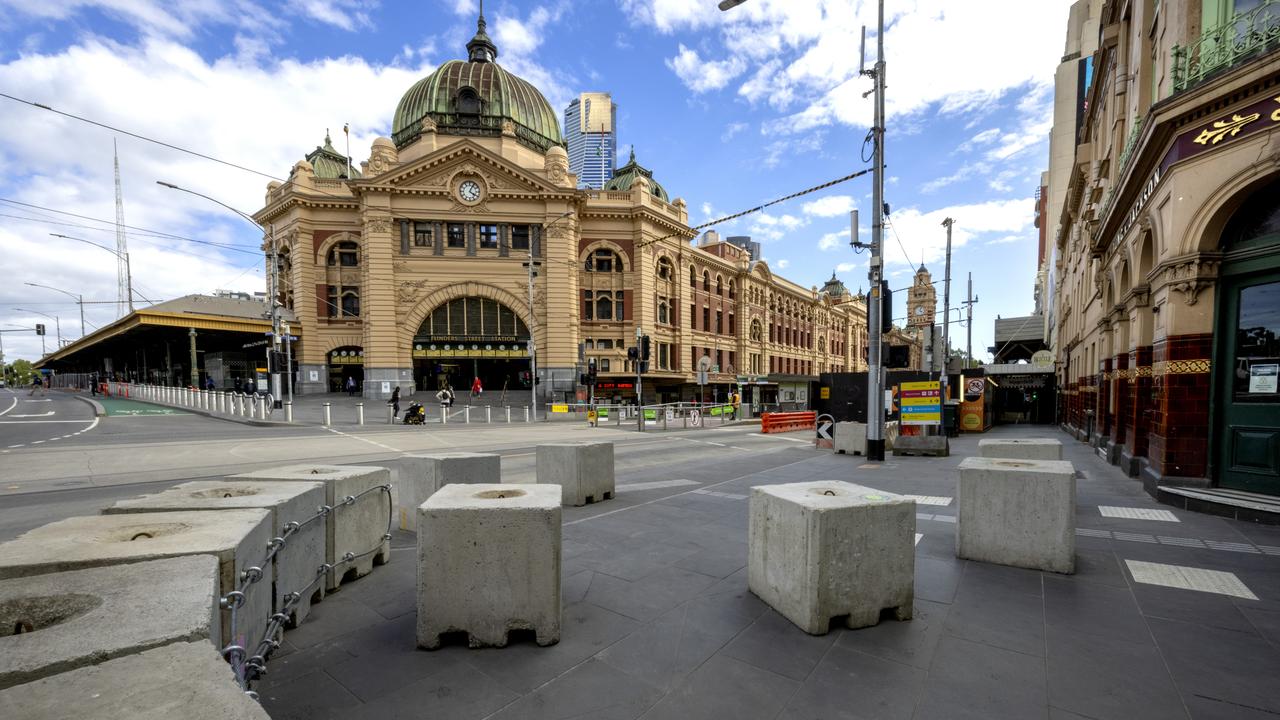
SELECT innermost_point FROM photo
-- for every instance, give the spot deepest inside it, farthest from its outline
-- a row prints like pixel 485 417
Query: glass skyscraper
pixel 591 132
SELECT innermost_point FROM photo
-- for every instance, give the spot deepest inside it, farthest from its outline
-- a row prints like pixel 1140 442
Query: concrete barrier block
pixel 923 445
pixel 50 624
pixel 1017 512
pixel 238 538
pixel 356 528
pixel 1021 448
pixel 295 565
pixel 584 471
pixel 422 474
pixel 489 563
pixel 850 438
pixel 183 680
pixel 831 549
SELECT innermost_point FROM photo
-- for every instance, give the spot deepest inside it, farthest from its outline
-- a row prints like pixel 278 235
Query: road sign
pixel 921 403
pixel 695 418
pixel 824 430
pixel 702 377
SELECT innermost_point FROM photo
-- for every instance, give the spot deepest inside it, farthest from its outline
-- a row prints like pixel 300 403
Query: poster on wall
pixel 1263 378
pixel 313 375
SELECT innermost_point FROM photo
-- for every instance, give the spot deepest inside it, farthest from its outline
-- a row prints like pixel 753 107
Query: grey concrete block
pixel 924 445
pixel 1020 448
pixel 50 624
pixel 830 549
pixel 489 563
pixel 422 474
pixel 238 538
pixel 356 528
pixel 850 438
pixel 295 565
pixel 183 680
pixel 1017 512
pixel 584 471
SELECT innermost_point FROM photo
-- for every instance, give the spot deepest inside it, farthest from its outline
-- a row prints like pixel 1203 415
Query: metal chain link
pixel 249 668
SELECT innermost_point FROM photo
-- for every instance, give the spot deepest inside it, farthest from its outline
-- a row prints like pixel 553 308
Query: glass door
pixel 1249 384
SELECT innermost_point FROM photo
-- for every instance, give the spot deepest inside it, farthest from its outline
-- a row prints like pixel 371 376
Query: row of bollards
pixel 235 404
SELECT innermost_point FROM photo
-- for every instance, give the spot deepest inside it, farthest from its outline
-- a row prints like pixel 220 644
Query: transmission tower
pixel 123 281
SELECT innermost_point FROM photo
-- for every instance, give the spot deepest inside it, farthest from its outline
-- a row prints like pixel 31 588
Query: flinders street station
pixel 463 248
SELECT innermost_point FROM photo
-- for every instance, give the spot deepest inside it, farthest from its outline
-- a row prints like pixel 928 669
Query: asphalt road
pixel 124 456
pixel 28 421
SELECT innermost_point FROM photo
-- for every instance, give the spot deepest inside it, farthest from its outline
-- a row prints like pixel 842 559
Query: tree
pixel 19 372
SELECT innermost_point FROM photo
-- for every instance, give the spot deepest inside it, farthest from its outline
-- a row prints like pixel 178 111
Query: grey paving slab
pixel 659 623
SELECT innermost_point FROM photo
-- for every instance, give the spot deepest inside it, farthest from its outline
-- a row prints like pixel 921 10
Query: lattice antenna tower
pixel 122 247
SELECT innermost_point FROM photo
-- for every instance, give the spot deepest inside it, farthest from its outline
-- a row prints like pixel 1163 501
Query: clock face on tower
pixel 469 191
pixel 919 310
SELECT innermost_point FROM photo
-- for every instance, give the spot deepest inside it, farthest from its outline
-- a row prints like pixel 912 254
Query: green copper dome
pixel 474 98
pixel 626 175
pixel 834 287
pixel 328 163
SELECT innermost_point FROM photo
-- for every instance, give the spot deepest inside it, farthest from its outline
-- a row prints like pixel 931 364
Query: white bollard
pixel 326 415
pixel 488 414
pixel 222 401
pixel 526 413
pixel 508 414
pixel 253 407
pixel 288 411
pixel 391 415
pixel 466 415
pixel 444 415
pixel 360 413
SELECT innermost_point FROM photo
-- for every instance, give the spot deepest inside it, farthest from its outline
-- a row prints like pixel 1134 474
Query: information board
pixel 921 403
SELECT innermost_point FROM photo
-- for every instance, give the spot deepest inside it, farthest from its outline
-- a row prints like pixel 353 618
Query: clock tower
pixel 922 300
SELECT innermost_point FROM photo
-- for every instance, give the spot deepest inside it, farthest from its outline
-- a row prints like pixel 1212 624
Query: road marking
pixel 44 400
pixel 366 440
pixel 15 446
pixel 930 499
pixel 779 437
pixel 45 414
pixel 1189 578
pixel 12 406
pixel 715 443
pixel 918 536
pixel 656 484
pixel 37 422
pixel 713 493
pixel 735 447
pixel 36 442
pixel 1137 513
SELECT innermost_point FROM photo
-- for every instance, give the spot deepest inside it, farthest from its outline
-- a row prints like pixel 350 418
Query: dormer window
pixel 468 102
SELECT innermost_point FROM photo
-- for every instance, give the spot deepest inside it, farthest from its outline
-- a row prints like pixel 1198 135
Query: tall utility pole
pixel 533 351
pixel 946 311
pixel 273 352
pixel 123 280
pixel 968 362
pixel 875 379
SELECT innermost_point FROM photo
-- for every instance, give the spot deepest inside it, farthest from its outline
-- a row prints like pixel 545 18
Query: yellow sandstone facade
pixel 413 270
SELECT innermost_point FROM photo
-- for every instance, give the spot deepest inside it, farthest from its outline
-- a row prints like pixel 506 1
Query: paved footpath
pixel 1170 615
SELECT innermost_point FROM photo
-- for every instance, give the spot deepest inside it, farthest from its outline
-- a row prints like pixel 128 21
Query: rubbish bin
pixel 951 419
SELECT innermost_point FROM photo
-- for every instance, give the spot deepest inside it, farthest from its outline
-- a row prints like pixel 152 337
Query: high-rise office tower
pixel 590 129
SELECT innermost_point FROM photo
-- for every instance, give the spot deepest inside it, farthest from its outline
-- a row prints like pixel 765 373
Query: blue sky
pixel 728 109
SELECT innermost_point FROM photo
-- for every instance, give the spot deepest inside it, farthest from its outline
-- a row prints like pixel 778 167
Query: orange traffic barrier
pixel 787 421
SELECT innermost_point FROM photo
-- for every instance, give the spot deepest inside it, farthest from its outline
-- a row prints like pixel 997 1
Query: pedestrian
pixel 209 384
pixel 394 402
pixel 35 385
pixel 476 388
pixel 736 400
pixel 351 385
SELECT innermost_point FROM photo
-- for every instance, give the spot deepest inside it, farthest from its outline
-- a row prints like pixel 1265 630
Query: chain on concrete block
pixel 249 668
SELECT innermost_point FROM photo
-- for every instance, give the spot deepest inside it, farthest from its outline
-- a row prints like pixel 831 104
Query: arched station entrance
pixel 1247 391
pixel 467 338
pixel 346 362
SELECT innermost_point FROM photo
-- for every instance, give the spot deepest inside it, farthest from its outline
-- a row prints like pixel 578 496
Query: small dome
pixel 328 163
pixel 474 98
pixel 834 287
pixel 626 175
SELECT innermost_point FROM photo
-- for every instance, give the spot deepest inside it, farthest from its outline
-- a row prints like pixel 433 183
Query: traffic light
pixel 644 348
pixel 633 354
pixel 886 307
pixel 899 356
pixel 39 328
pixel 644 366
pixel 585 379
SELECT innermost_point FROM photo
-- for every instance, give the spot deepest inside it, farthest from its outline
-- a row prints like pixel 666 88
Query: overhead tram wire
pixel 148 231
pixel 144 238
pixel 758 208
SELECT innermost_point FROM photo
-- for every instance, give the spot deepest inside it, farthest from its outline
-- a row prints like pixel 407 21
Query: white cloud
pixel 775 227
pixel 848 267
pixel 829 206
pixel 731 130
pixel 1006 240
pixel 963 173
pixel 786 147
pixel 783 264
pixel 985 137
pixel 701 75
pixel 669 15
pixel 922 236
pixel 831 241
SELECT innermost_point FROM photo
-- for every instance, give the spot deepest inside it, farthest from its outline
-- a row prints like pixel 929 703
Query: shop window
pixel 489 237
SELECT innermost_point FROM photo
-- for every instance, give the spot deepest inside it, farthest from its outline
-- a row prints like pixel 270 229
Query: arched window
pixel 706 281
pixel 345 254
pixel 719 285
pixel 664 311
pixel 604 260
pixel 665 270
pixel 732 290
pixel 604 308
pixel 693 277
pixel 468 101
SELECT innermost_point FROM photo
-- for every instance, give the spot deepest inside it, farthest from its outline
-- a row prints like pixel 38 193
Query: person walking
pixel 351 386
pixel 476 388
pixel 394 402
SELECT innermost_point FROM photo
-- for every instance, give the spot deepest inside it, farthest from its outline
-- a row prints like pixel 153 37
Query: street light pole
pixel 128 267
pixel 533 348
pixel 946 311
pixel 79 300
pixel 56 323
pixel 875 380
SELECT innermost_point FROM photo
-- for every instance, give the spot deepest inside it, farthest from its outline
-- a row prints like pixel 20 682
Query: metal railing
pixel 1226 45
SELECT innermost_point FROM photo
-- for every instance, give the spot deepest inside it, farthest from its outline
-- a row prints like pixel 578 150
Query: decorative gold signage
pixel 1223 128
